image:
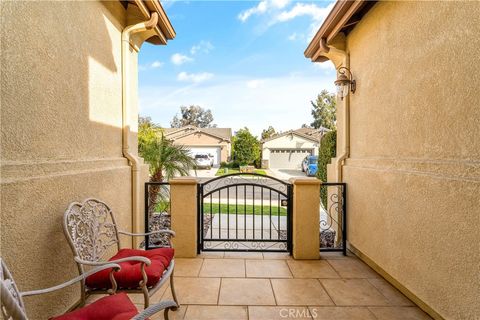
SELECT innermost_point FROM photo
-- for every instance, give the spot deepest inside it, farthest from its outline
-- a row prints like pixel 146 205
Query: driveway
pixel 204 173
pixel 285 174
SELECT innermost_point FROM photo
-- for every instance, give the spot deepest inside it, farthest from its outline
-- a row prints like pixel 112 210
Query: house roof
pixel 343 17
pixel 163 30
pixel 176 133
pixel 306 133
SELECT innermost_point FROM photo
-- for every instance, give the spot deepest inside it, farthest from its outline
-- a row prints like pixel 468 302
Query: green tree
pixel 193 116
pixel 323 111
pixel 246 147
pixel 268 133
pixel 327 151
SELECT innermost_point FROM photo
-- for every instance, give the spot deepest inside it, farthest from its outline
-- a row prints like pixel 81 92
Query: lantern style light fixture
pixel 344 82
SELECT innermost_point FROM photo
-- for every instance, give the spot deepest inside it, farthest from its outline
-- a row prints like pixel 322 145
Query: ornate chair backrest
pixel 12 304
pixel 90 229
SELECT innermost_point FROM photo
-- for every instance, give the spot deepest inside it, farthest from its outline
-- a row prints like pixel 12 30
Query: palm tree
pixel 166 160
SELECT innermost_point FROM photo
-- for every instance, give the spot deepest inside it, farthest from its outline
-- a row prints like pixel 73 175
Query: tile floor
pixel 269 286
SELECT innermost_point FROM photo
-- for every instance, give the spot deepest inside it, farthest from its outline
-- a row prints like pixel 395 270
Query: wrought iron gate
pixel 245 212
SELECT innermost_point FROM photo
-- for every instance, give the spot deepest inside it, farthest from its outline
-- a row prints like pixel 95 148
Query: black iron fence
pixel 244 212
pixel 333 217
pixel 157 213
pixel 248 213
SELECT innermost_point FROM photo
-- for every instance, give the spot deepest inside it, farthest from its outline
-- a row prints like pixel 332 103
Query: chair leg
pixel 174 295
pixel 83 296
pixel 146 297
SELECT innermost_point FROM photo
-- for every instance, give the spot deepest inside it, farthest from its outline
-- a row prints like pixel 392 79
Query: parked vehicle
pixel 202 160
pixel 310 165
pixel 211 157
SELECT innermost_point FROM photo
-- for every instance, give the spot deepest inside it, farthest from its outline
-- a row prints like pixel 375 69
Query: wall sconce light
pixel 344 82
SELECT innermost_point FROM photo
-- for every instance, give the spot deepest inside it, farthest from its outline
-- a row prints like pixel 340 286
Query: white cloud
pixel 194 77
pixel 203 47
pixel 261 8
pixel 283 102
pixel 255 83
pixel 327 65
pixel 302 9
pixel 179 59
pixel 156 64
pixel 293 36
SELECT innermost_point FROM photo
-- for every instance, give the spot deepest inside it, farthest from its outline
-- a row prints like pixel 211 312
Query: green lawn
pixel 242 208
pixel 221 171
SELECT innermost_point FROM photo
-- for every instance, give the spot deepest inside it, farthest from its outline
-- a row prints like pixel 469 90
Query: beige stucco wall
pixel 61 135
pixel 288 141
pixel 414 170
pixel 205 140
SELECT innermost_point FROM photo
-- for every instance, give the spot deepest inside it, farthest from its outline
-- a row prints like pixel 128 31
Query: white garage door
pixel 214 151
pixel 288 158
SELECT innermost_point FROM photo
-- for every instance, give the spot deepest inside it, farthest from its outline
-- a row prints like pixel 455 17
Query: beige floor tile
pixel 341 313
pixel 278 313
pixel 172 315
pixel 243 255
pixel 399 313
pixel 137 298
pixel 277 255
pixel 195 290
pixel 94 297
pixel 246 292
pixel 267 269
pixel 335 255
pixel 231 268
pixel 216 313
pixel 211 255
pixel 312 269
pixel 352 268
pixel 300 292
pixel 187 267
pixel 353 292
pixel 395 297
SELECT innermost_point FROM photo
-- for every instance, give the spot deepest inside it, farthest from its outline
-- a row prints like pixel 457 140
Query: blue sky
pixel 241 59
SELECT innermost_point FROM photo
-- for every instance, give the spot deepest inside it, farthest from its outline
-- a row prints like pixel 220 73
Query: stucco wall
pixel 414 170
pixel 288 141
pixel 61 135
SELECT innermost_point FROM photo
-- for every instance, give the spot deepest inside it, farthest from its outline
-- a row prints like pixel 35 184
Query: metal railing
pixel 157 213
pixel 333 217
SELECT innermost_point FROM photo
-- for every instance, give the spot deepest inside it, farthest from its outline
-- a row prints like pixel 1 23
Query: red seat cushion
pixel 130 274
pixel 116 307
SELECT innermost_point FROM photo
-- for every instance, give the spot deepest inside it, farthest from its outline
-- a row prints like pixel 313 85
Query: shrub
pixel 234 164
pixel 223 164
pixel 327 151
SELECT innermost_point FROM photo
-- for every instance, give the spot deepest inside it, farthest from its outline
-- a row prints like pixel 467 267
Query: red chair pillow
pixel 130 274
pixel 115 307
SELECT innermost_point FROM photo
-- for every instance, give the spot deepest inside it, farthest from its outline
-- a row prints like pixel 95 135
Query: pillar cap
pixel 305 181
pixel 184 180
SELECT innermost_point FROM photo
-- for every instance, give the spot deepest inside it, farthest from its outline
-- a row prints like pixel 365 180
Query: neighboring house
pixel 214 141
pixel 287 150
pixel 409 144
pixel 69 129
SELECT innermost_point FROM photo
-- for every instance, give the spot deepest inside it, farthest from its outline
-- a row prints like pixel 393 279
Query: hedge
pixel 327 151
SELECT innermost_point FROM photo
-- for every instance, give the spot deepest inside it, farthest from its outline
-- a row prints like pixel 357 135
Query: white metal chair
pixel 91 230
pixel 109 307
